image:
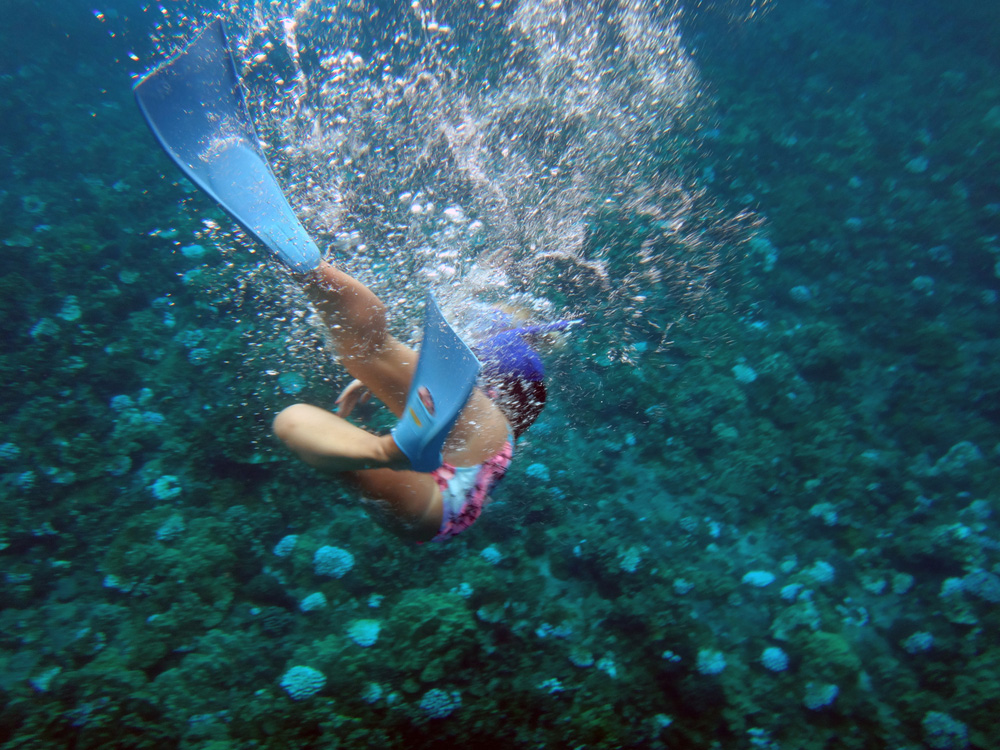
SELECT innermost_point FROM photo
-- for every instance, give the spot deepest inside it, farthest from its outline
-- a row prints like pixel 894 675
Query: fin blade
pixel 194 105
pixel 446 374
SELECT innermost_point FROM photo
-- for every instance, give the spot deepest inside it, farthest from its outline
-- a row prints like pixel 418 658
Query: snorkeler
pixel 431 476
pixel 413 504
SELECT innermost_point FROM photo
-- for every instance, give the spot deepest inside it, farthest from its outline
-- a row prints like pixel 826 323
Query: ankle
pixel 315 280
pixel 392 455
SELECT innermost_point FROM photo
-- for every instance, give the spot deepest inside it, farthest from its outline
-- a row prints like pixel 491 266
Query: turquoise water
pixel 759 510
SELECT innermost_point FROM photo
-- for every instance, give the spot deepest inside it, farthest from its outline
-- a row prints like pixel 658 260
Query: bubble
pixel 291 383
pixel 549 153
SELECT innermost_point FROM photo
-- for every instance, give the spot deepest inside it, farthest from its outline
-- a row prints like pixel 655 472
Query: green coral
pixel 430 634
pixel 179 587
pixel 829 657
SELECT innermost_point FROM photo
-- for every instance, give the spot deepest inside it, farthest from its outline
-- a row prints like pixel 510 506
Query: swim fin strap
pixel 446 374
pixel 194 105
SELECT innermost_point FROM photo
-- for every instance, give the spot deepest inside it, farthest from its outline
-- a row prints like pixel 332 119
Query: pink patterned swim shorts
pixel 464 490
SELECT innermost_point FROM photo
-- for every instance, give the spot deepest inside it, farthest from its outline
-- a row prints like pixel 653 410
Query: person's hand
pixel 355 393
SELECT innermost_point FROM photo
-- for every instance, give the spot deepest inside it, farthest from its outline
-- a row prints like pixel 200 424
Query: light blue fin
pixel 194 105
pixel 446 374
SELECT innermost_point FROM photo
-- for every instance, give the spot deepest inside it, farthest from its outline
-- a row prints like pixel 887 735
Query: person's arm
pixel 355 393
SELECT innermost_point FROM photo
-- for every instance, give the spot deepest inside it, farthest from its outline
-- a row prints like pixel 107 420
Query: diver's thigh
pixel 481 429
pixel 407 503
pixel 480 432
pixel 387 374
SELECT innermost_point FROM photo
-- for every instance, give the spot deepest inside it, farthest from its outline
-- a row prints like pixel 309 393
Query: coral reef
pixel 760 509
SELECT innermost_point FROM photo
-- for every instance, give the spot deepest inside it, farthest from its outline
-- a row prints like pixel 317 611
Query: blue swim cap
pixel 506 356
pixel 513 374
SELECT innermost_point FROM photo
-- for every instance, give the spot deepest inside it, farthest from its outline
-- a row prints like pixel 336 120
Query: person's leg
pixel 332 444
pixel 356 319
pixel 407 503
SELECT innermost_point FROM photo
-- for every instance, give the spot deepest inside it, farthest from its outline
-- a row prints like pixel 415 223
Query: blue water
pixel 760 508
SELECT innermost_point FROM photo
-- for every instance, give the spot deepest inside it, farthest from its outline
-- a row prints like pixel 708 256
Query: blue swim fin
pixel 446 374
pixel 194 105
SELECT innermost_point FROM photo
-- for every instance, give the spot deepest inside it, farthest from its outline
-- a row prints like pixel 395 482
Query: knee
pixel 289 421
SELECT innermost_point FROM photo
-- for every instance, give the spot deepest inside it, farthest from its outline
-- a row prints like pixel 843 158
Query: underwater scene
pixel 761 506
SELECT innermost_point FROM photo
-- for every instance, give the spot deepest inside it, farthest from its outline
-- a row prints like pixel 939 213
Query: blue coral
pixel 942 732
pixel 774 659
pixel 332 561
pixel 302 682
pixel 364 632
pixel 439 704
